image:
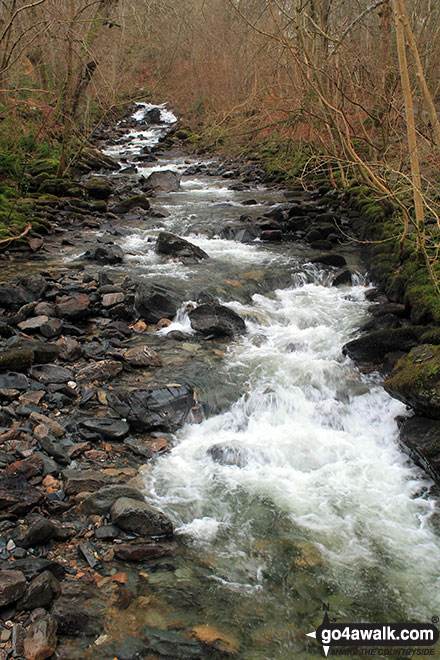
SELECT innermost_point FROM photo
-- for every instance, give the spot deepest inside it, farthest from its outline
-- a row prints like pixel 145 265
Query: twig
pixel 7 241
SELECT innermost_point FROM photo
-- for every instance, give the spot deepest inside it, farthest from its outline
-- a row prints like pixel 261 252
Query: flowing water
pixel 313 501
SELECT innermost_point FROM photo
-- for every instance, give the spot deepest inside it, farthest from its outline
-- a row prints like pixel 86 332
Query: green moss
pixel 16 360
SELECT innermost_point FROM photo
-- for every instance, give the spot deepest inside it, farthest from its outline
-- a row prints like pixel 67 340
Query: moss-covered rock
pixel 415 380
pixel 375 345
pixel 17 359
pixel 98 188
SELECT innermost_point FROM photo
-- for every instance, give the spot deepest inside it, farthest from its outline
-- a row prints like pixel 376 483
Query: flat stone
pixel 102 371
pixel 12 587
pixel 101 502
pixel 143 551
pixel 33 324
pixel 85 481
pixel 40 592
pixel 73 308
pixel 41 639
pixel 55 427
pixel 155 302
pixel 17 496
pixel 375 345
pixel 14 381
pixel 140 518
pixel 51 373
pixel 108 427
pixel 142 356
pixel 106 254
pixel 111 299
pixel 39 533
pixel 33 566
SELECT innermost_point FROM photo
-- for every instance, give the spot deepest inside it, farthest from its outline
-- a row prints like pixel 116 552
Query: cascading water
pixel 298 493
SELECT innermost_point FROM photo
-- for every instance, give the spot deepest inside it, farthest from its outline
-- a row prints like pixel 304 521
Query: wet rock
pixel 73 308
pixel 170 643
pixel 375 345
pixel 217 320
pixel 420 438
pixel 163 181
pixel 144 551
pixel 138 447
pixel 164 407
pixel 155 302
pixel 111 299
pixel 126 205
pixel 85 481
pixel 106 254
pixel 29 467
pixel 140 518
pixel 342 278
pixel 109 428
pixel 178 247
pixel 52 328
pixel 228 454
pixel 41 639
pixel 142 356
pixel 13 381
pixel 415 380
pixel 33 566
pixel 102 371
pixel 101 502
pixel 271 235
pixel 43 352
pixel 385 309
pixel 331 259
pixel 39 533
pixel 98 188
pixel 17 359
pixel 12 297
pixel 51 373
pixel 17 496
pixel 153 116
pixel 12 587
pixel 40 592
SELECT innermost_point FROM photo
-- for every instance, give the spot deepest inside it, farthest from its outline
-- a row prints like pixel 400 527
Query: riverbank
pixel 91 391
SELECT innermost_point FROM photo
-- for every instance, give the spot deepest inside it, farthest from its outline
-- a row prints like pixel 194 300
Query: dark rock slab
pixel 13 296
pixel 17 359
pixel 132 202
pixel 144 551
pixel 51 373
pixel 170 643
pixel 33 566
pixel 73 308
pixel 155 301
pixel 17 496
pixel 178 247
pixel 98 188
pixel 14 381
pixel 140 518
pixel 330 259
pixel 40 532
pixel 106 254
pixel 12 586
pixel 40 592
pixel 217 320
pixel 101 371
pixel 83 481
pixel 420 438
pixel 108 427
pixel 375 345
pixel 161 407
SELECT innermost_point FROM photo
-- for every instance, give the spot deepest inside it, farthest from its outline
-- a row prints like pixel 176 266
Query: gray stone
pixel 102 501
pixel 106 254
pixel 163 181
pixel 217 320
pixel 155 302
pixel 41 531
pixel 40 592
pixel 12 587
pixel 110 299
pixel 142 356
pixel 108 427
pixel 51 373
pixel 178 247
pixel 140 518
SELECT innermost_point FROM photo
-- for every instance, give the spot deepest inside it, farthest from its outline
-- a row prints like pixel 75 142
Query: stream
pixel 292 491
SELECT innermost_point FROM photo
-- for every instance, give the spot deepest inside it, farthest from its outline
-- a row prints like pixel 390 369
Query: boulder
pixel 98 188
pixel 163 181
pixel 153 116
pixel 228 454
pixel 415 380
pixel 73 308
pixel 12 587
pixel 162 407
pixel 330 259
pixel 217 320
pixel 375 345
pixel 41 639
pixel 140 518
pixel 106 254
pixel 155 302
pixel 101 371
pixel 100 502
pixel 33 566
pixel 420 438
pixel 13 296
pixel 93 159
pixel 111 299
pixel 107 427
pixel 178 247
pixel 140 201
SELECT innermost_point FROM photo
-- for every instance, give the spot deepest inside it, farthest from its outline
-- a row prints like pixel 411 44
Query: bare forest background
pixel 345 89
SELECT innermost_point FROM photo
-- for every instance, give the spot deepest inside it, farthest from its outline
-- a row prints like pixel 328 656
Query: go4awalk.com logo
pixel 405 636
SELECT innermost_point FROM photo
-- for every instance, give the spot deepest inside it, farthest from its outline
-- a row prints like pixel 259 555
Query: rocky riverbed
pixel 116 331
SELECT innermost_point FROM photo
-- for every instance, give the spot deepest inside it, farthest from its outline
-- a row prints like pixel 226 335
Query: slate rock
pixel 19 359
pixel 51 373
pixel 130 203
pixel 330 259
pixel 101 501
pixel 108 427
pixel 164 408
pixel 14 381
pixel 73 308
pixel 101 371
pixel 17 496
pixel 12 297
pixel 33 566
pixel 420 438
pixel 83 481
pixel 143 551
pixel 12 586
pixel 106 254
pixel 142 356
pixel 41 639
pixel 39 533
pixel 178 247
pixel 217 320
pixel 375 345
pixel 140 518
pixel 40 592
pixel 155 302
